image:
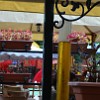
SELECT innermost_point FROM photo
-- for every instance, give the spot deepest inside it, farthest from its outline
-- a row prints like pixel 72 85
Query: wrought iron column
pixel 47 53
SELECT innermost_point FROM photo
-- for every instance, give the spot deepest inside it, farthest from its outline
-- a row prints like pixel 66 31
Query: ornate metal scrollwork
pixel 75 5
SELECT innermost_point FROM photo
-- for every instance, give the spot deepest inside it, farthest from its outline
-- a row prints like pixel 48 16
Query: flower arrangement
pixel 79 37
pixel 12 35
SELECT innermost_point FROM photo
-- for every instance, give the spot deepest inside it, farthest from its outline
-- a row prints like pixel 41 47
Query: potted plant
pixel 78 40
pixel 89 89
pixel 18 40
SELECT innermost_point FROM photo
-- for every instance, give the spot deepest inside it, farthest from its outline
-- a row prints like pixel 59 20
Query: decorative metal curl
pixel 75 5
pixel 58 24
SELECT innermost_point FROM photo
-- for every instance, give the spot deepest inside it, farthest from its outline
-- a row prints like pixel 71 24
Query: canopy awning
pixel 22 6
pixel 37 6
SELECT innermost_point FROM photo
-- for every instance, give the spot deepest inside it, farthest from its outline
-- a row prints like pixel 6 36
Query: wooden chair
pixel 14 93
